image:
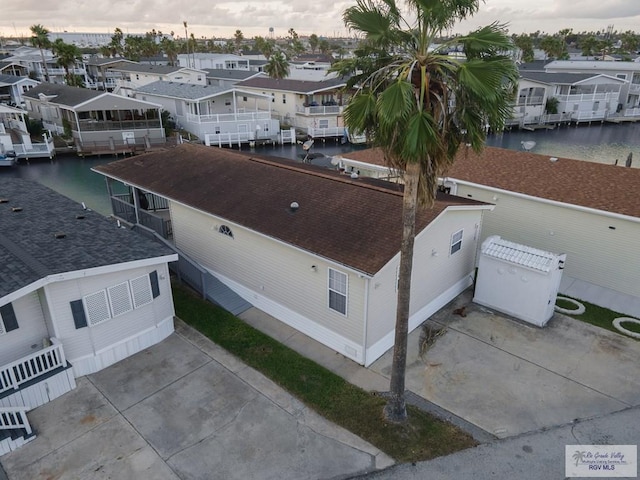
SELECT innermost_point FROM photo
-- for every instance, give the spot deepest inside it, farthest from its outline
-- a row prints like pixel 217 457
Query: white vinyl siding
pixel 268 268
pixel 595 253
pixel 27 338
pixel 456 242
pixel 338 290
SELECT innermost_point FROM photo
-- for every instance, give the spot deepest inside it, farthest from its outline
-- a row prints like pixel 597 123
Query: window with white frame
pixel 141 291
pixel 323 123
pixel 97 307
pixel 456 242
pixel 338 291
pixel 120 299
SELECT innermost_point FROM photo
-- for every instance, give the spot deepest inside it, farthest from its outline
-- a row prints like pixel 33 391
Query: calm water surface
pixel 72 176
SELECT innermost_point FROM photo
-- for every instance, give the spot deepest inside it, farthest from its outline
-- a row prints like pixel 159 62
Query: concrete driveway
pixel 185 409
pixel 508 377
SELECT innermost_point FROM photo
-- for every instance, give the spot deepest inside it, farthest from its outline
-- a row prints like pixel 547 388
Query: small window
pixel 97 307
pixel 141 291
pixel 338 291
pixel 456 241
pixel 120 299
pixel 8 319
pixel 284 98
pixel 323 124
pixel 244 99
pixel 216 129
pixel 225 231
pixel 273 98
pixel 227 101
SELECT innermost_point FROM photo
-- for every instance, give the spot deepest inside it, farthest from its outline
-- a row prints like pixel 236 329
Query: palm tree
pixel 418 105
pixel 238 38
pixel 278 66
pixel 40 40
pixel 313 42
pixel 67 56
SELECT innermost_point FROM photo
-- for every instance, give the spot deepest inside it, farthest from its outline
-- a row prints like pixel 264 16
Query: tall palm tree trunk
pixel 396 410
pixel 44 64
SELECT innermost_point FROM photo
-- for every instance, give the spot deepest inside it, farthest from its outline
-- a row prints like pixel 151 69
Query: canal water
pixel 72 176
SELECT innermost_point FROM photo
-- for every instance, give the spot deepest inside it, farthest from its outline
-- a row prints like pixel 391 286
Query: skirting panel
pixel 42 392
pixel 121 350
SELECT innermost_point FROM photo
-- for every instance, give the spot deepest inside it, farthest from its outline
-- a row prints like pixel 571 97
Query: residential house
pixel 312 106
pixel 100 77
pixel 580 97
pixel 98 122
pixel 31 59
pixel 12 87
pixel 629 72
pixel 216 115
pixel 218 61
pixel 15 140
pixel 133 76
pixel 13 68
pixel 222 77
pixel 316 249
pixel 78 293
pixel 584 209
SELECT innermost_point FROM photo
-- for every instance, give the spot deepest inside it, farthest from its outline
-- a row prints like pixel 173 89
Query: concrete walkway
pixel 185 409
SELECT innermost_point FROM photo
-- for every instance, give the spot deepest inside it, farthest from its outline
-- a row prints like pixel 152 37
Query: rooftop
pixel 355 222
pixel 594 185
pixel 32 216
pixel 297 86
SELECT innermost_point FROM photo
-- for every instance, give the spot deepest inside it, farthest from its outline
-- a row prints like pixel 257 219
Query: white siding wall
pixel 79 343
pixel 436 279
pixel 595 253
pixel 27 338
pixel 272 275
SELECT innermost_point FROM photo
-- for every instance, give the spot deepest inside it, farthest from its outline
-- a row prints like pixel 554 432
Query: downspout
pixel 365 320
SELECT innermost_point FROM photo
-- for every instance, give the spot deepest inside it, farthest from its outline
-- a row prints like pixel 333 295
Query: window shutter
pixel 79 318
pixel 8 317
pixel 155 287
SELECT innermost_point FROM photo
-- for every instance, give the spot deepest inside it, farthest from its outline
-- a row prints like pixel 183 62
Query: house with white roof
pixel 315 249
pixel 216 115
pixel 78 293
pixel 133 76
pixel 312 106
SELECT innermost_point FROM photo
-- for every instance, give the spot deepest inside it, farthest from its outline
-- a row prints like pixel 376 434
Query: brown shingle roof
pixel 587 184
pixel 354 222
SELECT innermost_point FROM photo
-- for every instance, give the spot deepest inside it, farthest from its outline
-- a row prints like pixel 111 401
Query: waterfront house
pixel 12 87
pixel 222 77
pixel 78 293
pixel 314 107
pixel 221 61
pixel 13 68
pixel 15 140
pixel 316 249
pixel 99 75
pixel 98 122
pixel 215 115
pixel 629 72
pixel 130 77
pixel 584 209
pixel 31 59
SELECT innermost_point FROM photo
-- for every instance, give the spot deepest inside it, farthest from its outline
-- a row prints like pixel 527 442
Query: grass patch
pixel 422 437
pixel 596 315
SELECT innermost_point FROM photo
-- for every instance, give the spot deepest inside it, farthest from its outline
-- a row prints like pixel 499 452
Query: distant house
pixel 99 122
pixel 314 248
pixel 130 77
pixel 216 115
pixel 221 77
pixel 12 87
pixel 13 68
pixel 78 293
pixel 100 77
pixel 313 106
pixel 584 209
pixel 218 61
pixel 31 59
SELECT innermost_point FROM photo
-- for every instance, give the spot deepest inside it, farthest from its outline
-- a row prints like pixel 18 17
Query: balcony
pixel 155 216
pixel 228 117
pixel 320 110
pixel 106 125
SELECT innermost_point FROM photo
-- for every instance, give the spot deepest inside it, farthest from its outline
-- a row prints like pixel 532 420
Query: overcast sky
pixel 220 18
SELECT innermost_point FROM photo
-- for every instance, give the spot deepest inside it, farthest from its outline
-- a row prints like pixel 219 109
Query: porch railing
pixel 124 209
pixel 14 417
pixel 228 117
pixel 27 368
pixel 326 132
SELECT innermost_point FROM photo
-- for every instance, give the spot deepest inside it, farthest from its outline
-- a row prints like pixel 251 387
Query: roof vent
pixel 80 217
pixel 554 159
pixel 4 200
pixel 354 175
pixel 16 209
pixel 59 235
pixel 294 207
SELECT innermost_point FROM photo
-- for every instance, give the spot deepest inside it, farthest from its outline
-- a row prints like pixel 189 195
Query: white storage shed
pixel 518 280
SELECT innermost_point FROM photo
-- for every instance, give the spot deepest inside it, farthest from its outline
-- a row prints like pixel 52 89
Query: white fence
pixel 27 368
pixel 326 132
pixel 228 117
pixel 14 417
